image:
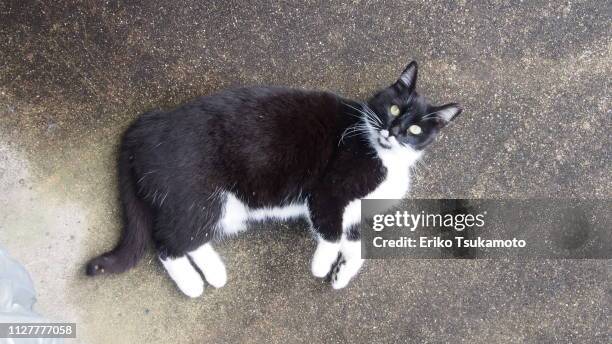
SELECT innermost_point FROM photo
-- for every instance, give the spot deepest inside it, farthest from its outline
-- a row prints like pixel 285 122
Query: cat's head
pixel 400 117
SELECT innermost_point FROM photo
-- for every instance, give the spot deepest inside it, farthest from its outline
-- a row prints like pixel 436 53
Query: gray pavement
pixel 534 80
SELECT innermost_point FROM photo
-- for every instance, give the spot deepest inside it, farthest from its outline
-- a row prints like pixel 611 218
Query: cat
pixel 211 166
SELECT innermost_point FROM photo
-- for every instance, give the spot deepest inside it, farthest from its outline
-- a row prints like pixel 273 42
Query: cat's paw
pixel 187 279
pixel 324 257
pixel 215 275
pixel 192 288
pixel 211 265
pixel 344 270
pixel 320 268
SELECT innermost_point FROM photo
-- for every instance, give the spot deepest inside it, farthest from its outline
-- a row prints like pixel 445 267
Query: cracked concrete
pixel 534 79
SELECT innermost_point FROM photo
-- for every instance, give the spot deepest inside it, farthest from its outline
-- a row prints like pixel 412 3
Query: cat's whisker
pixel 372 124
pixel 355 133
pixel 367 114
pixel 351 106
pixel 354 108
pixel 353 115
pixel 164 198
pixel 345 133
pixel 372 116
pixel 372 113
pixel 354 130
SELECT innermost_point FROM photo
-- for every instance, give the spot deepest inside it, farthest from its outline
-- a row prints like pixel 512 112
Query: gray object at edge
pixel 17 298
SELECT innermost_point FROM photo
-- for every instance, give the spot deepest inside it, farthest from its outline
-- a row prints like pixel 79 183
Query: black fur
pixel 267 145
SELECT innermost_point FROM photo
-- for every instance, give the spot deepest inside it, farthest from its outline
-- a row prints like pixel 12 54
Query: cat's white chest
pixel 395 185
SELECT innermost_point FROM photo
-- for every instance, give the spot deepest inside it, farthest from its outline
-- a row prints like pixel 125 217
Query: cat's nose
pixel 395 130
pixel 384 133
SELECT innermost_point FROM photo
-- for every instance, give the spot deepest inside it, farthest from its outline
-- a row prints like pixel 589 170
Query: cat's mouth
pixel 384 143
pixel 383 139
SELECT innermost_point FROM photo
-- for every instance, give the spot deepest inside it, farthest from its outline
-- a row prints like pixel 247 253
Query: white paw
pixel 185 276
pixel 344 272
pixel 320 269
pixel 211 265
pixel 215 275
pixel 192 288
pixel 348 264
pixel 340 284
pixel 324 257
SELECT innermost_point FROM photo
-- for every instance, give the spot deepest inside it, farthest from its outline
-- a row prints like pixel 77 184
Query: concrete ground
pixel 534 79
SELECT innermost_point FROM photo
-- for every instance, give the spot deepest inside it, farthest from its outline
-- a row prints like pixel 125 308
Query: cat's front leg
pixel 326 221
pixel 350 260
pixel 338 240
pixel 324 257
pixel 348 264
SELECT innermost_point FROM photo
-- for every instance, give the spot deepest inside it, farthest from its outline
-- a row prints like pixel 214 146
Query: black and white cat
pixel 211 166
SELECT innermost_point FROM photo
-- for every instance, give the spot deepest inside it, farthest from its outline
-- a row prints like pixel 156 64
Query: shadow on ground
pixel 534 82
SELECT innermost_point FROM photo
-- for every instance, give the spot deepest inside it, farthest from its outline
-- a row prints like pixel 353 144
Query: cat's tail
pixel 137 224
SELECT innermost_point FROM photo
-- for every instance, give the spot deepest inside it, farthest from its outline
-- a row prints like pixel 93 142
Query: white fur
pixel 279 213
pixel 397 160
pixel 184 275
pixel 236 214
pixel 351 252
pixel 324 257
pixel 211 265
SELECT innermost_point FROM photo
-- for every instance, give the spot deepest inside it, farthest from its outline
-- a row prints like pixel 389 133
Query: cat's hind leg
pixel 232 218
pixel 184 275
pixel 209 262
pixel 182 225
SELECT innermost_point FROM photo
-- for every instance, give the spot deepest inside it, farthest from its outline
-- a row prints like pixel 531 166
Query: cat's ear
pixel 447 113
pixel 408 78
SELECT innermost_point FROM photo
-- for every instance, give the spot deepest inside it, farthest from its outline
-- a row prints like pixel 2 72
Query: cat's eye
pixel 395 110
pixel 415 130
